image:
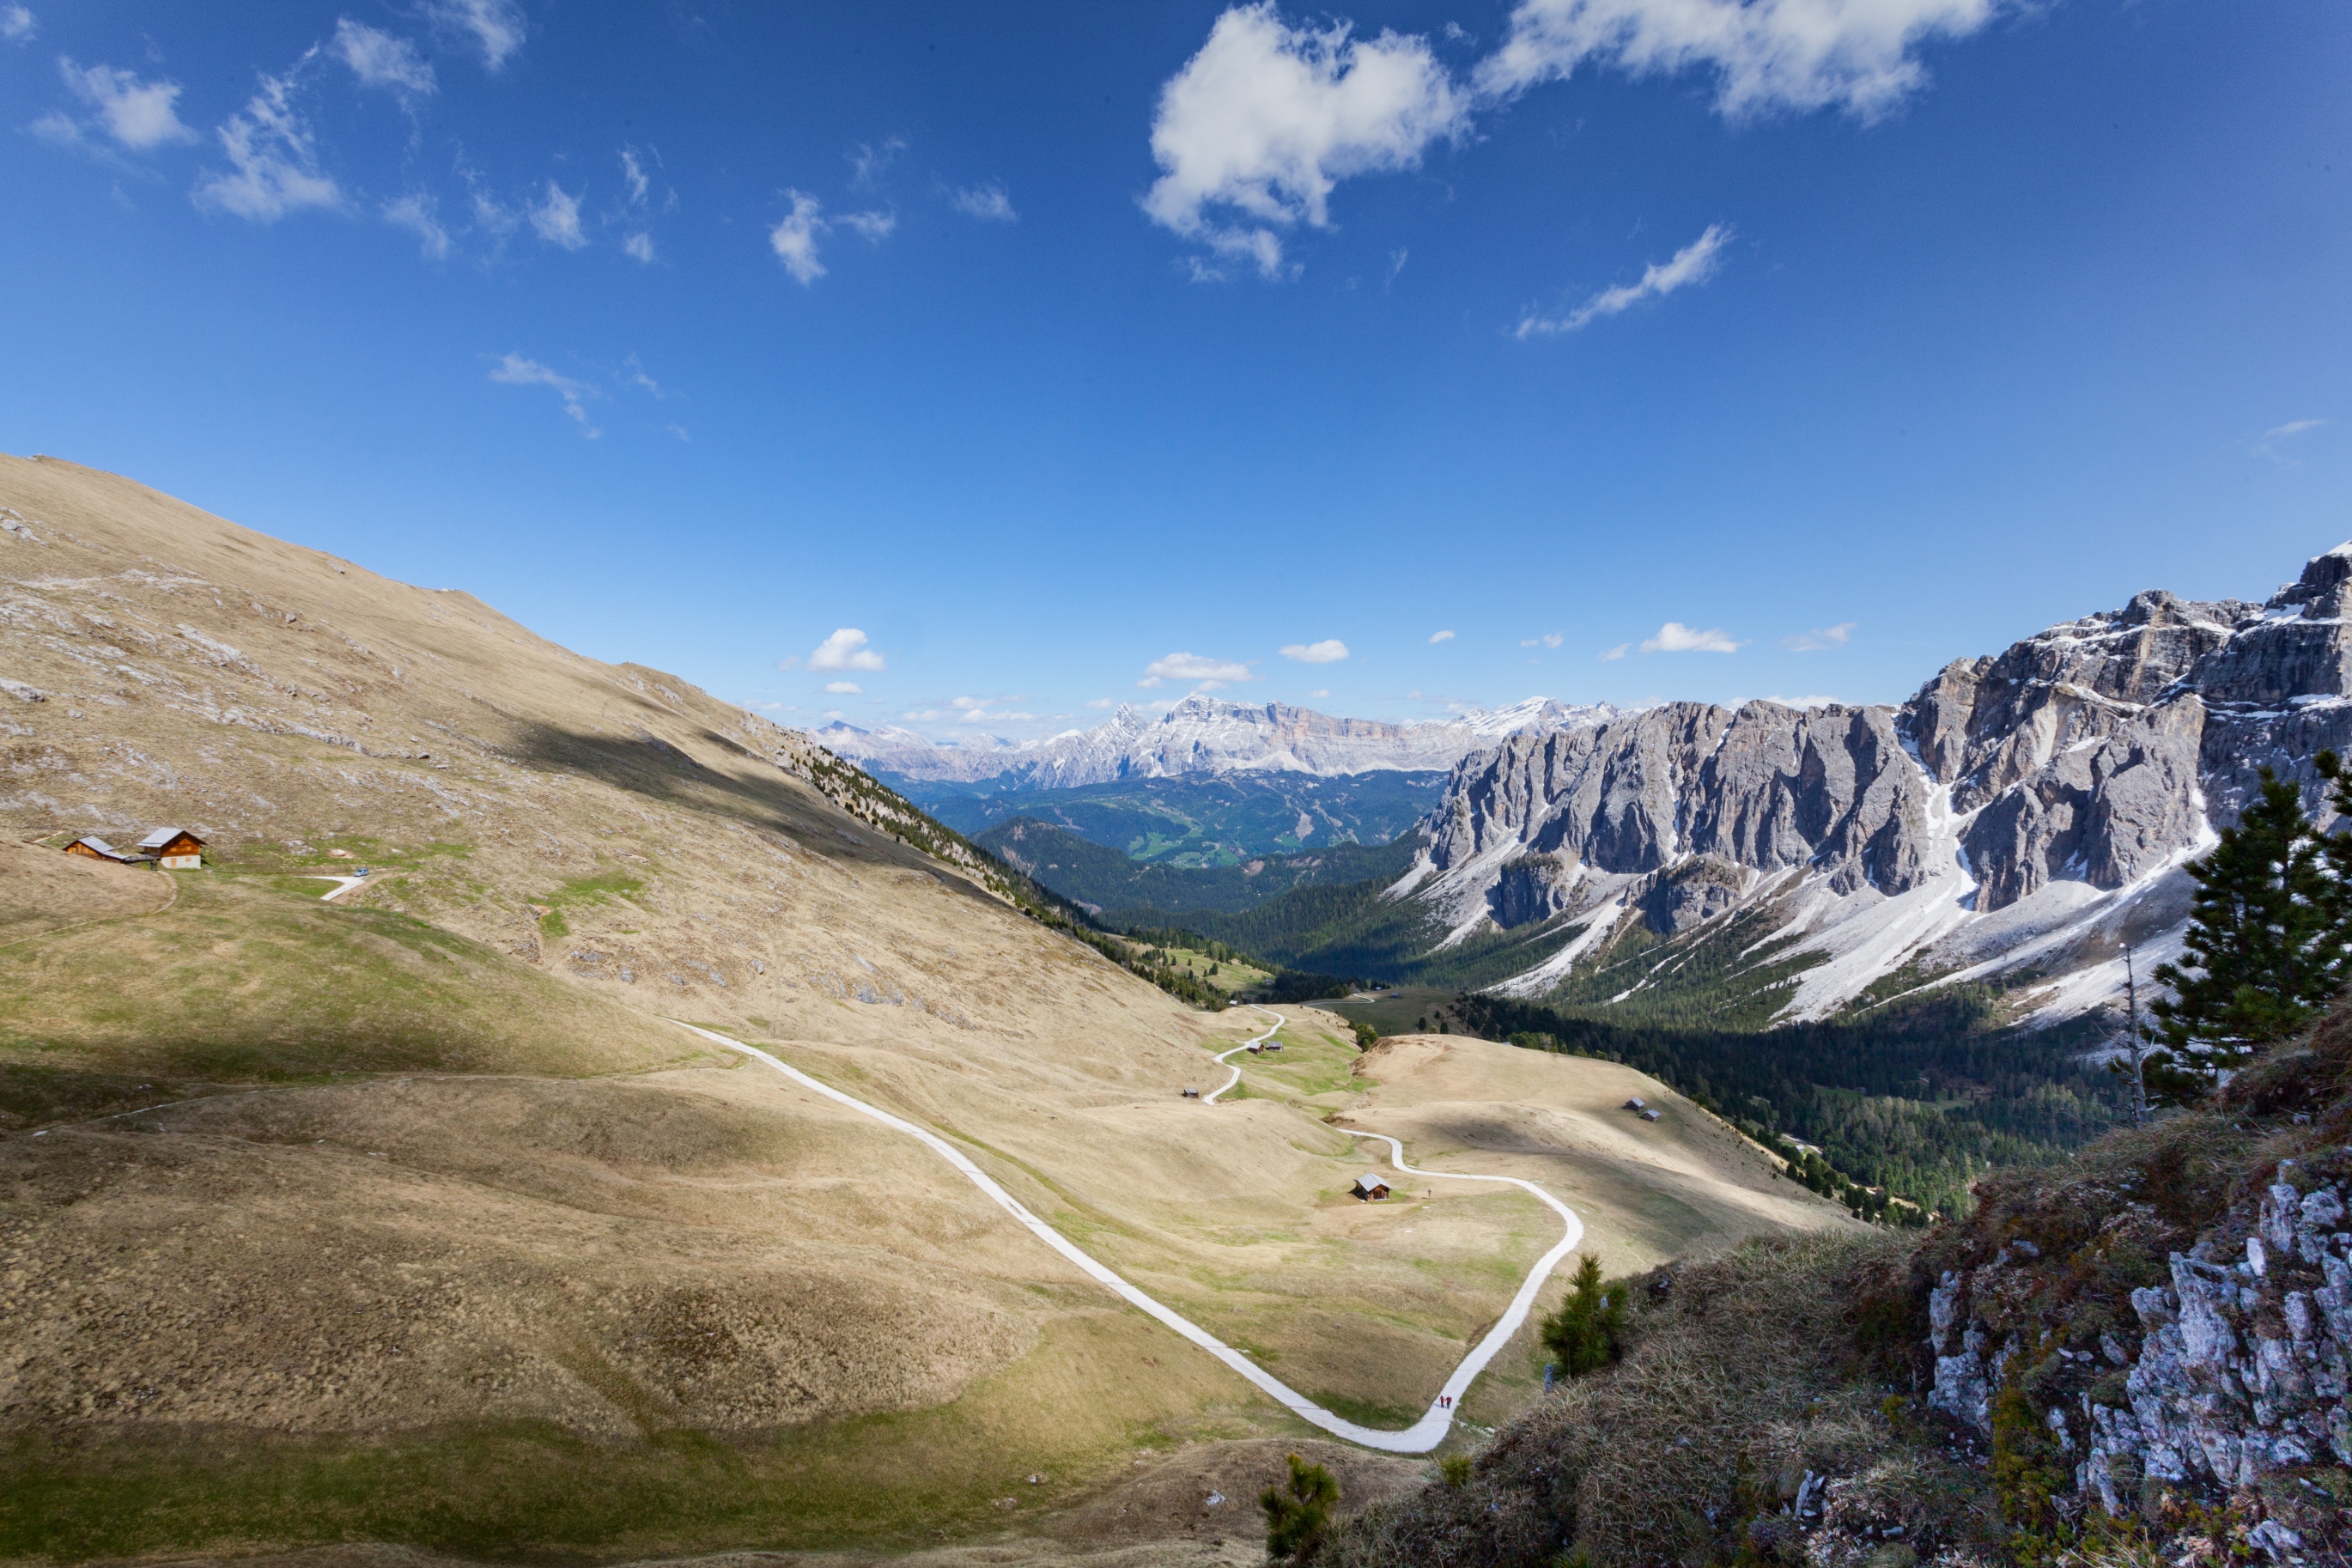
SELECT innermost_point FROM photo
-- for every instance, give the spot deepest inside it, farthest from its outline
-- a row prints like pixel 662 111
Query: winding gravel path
pixel 1418 1438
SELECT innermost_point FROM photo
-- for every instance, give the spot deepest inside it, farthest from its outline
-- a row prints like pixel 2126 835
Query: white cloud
pixel 1266 119
pixel 1330 650
pixel 844 649
pixel 845 688
pixel 1767 55
pixel 557 218
pixel 1102 702
pixel 381 59
pixel 1676 637
pixel 873 227
pixel 275 160
pixel 1694 263
pixel 869 164
pixel 634 175
pixel 1192 667
pixel 1320 691
pixel 835 713
pixel 639 248
pixel 1550 640
pixel 418 215
pixel 139 114
pixel 987 203
pixel 17 23
pixel 516 370
pixel 496 26
pixel 1819 639
pixel 795 239
pixel 2268 446
pixel 1437 637
pixel 1815 701
pixel 1614 654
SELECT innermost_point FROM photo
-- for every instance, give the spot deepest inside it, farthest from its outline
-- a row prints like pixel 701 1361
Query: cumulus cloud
pixel 516 370
pixel 1694 263
pixel 274 159
pixel 795 239
pixel 1210 672
pixel 556 217
pixel 871 227
pixel 638 247
pixel 1676 637
pixel 496 28
pixel 1259 126
pixel 1819 639
pixel 987 203
pixel 17 23
pixel 1550 640
pixel 844 649
pixel 1766 55
pixel 138 114
pixel 1437 637
pixel 382 59
pixel 845 688
pixel 420 216
pixel 1330 650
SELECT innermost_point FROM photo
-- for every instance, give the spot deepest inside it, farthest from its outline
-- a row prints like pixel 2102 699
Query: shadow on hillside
pixel 755 791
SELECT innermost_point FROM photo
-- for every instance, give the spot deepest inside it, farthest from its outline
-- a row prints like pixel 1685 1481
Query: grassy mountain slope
pixel 1199 821
pixel 408 1218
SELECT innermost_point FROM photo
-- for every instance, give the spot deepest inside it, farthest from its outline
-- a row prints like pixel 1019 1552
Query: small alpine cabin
pixel 175 848
pixel 1369 1188
pixel 95 848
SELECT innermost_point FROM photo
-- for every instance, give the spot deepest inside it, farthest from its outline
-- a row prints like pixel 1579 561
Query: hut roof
pixel 1368 1181
pixel 163 835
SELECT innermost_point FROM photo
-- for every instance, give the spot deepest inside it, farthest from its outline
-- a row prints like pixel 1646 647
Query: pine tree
pixel 1588 1332
pixel 1295 1523
pixel 2267 945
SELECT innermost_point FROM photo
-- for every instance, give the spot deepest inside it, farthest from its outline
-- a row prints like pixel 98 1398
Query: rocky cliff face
pixel 2014 794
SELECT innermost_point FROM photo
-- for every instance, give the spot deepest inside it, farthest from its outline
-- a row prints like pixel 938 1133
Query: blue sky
pixel 1056 350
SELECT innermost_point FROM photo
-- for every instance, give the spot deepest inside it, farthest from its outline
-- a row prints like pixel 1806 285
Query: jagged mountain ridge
pixel 1204 734
pixel 2027 812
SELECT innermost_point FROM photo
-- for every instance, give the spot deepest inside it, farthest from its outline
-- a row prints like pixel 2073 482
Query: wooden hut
pixel 1370 1188
pixel 175 848
pixel 95 848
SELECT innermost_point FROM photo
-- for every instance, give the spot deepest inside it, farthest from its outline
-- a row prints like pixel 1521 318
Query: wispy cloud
pixel 794 238
pixel 1694 263
pixel 868 162
pixel 1676 637
pixel 420 216
pixel 496 28
pixel 273 157
pixel 2277 435
pixel 516 370
pixel 1550 640
pixel 556 217
pixel 138 114
pixel 845 688
pixel 17 23
pixel 1819 639
pixel 844 649
pixel 988 203
pixel 1330 650
pixel 1256 128
pixel 1102 701
pixel 1614 654
pixel 1212 672
pixel 1437 637
pixel 1814 701
pixel 1765 57
pixel 382 59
